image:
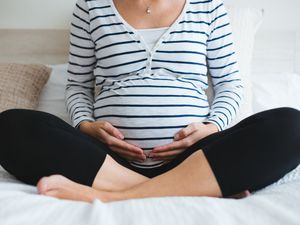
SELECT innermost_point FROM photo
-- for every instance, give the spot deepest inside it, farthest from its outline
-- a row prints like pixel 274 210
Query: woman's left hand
pixel 182 140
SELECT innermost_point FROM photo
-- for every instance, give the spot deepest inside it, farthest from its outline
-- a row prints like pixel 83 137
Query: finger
pixel 112 141
pixel 166 154
pixel 164 158
pixel 109 128
pixel 172 146
pixel 128 155
pixel 127 147
pixel 183 143
pixel 166 162
pixel 183 133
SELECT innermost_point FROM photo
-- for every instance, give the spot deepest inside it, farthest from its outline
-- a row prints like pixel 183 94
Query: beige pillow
pixel 21 85
pixel 244 23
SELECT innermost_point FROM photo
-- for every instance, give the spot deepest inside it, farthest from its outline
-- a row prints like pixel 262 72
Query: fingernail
pixel 121 136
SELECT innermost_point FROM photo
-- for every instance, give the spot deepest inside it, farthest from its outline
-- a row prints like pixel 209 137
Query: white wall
pixel 279 15
pixel 48 14
pixel 36 14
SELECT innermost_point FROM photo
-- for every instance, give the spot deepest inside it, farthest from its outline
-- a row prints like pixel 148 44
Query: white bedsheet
pixel 278 203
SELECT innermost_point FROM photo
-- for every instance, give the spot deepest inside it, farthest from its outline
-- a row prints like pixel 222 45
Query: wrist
pixel 213 128
pixel 84 125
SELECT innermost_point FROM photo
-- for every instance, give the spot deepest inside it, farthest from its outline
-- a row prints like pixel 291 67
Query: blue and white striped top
pixel 150 94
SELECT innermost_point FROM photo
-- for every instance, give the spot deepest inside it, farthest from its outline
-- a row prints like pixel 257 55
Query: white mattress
pixel 278 203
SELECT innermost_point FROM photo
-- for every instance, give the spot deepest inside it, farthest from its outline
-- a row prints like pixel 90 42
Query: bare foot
pixel 242 194
pixel 61 187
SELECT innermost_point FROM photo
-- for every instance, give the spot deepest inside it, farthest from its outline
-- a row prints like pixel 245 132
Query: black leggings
pixel 251 155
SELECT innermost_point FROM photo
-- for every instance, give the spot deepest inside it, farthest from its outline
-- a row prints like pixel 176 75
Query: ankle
pixel 104 185
pixel 106 196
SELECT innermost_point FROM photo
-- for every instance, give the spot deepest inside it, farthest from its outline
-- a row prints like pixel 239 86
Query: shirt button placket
pixel 149 63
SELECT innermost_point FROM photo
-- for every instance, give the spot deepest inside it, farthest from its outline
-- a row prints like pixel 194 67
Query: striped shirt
pixel 150 94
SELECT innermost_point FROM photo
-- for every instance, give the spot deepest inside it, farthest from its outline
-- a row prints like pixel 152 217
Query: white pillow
pixel 272 54
pixel 272 90
pixel 52 98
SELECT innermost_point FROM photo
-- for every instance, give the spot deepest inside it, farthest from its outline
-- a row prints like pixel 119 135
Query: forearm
pixel 81 80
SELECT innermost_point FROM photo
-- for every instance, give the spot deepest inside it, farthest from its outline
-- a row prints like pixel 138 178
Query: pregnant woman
pixel 144 127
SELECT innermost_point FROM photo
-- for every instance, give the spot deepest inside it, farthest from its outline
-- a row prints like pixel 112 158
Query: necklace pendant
pixel 148 11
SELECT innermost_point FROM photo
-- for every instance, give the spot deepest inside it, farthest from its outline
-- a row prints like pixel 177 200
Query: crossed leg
pixel 233 158
pixel 239 160
pixel 194 175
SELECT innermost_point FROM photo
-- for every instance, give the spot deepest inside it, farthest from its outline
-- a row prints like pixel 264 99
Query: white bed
pixel 275 83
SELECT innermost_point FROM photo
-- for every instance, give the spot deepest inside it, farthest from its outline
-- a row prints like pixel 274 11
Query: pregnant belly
pixel 149 112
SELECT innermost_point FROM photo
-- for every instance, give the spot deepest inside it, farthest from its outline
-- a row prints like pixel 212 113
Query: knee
pixel 286 115
pixel 290 115
pixel 12 112
pixel 283 122
pixel 287 120
pixel 7 113
pixel 7 121
pixel 12 120
pixel 293 112
pixel 7 116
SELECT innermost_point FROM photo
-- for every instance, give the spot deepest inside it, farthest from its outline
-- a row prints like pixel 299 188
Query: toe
pixel 57 181
pixel 42 186
pixel 53 193
pixel 46 184
pixel 242 194
pixel 247 193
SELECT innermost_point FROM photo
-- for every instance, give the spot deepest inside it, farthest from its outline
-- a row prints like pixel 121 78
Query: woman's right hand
pixel 108 134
